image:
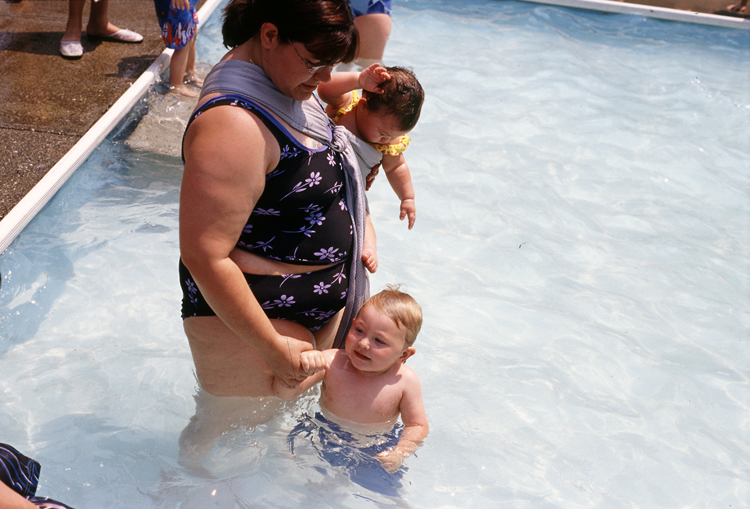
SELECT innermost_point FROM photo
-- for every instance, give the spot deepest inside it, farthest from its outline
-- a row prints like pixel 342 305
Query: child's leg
pixel 190 75
pixel 177 66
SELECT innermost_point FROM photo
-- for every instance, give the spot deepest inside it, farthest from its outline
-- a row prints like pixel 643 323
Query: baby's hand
pixel 371 176
pixel 408 209
pixel 391 460
pixel 370 258
pixel 370 78
pixel 312 361
pixel 180 5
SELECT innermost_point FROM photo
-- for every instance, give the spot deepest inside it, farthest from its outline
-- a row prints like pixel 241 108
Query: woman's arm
pixel 399 177
pixel 227 155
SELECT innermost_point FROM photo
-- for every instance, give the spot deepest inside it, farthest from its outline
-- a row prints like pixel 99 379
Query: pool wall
pixel 650 11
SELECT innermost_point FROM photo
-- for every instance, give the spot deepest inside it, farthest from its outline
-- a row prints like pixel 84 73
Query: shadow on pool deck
pixel 48 103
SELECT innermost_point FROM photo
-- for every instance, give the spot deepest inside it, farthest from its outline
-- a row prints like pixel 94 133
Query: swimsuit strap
pixel 264 115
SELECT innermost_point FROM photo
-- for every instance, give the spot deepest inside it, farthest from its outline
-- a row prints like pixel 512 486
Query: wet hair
pixel 325 27
pixel 400 307
pixel 402 98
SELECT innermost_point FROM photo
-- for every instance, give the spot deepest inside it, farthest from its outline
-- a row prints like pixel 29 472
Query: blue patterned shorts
pixel 177 26
pixel 361 7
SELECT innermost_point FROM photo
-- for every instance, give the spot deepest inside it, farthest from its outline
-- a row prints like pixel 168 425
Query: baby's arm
pixel 397 172
pixel 313 363
pixel 337 93
pixel 414 417
pixel 370 248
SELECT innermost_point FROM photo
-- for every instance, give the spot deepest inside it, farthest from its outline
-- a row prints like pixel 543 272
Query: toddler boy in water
pixel 388 109
pixel 178 21
pixel 368 382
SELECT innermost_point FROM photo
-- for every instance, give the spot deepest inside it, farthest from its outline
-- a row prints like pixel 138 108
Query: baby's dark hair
pixel 402 97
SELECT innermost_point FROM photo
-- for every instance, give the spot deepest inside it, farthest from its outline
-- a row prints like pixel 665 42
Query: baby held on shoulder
pixel 368 382
pixel 388 109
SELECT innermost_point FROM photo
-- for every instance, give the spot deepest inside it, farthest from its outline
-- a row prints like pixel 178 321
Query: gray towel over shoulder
pixel 309 117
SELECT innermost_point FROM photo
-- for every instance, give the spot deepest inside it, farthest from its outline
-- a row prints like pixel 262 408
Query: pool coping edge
pixel 27 208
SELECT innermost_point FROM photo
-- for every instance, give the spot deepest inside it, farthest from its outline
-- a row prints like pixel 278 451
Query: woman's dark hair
pixel 325 27
pixel 402 97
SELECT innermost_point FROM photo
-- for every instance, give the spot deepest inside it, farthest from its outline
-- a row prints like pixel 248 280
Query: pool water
pixel 581 252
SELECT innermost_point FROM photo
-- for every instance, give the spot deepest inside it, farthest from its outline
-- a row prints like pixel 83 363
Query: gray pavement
pixel 48 103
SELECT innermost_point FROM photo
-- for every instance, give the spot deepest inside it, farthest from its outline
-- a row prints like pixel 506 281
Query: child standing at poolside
pixel 178 21
pixel 368 382
pixel 388 109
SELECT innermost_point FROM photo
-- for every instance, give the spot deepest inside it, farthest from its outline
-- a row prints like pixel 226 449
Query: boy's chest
pixel 361 400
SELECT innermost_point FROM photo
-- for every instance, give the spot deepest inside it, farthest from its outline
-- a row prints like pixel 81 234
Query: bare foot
pixel 183 90
pixel 193 79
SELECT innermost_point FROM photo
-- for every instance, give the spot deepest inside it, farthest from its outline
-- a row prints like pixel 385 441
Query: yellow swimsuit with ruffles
pixel 392 150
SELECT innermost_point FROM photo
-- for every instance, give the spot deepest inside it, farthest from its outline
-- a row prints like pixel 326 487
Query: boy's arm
pixel 416 428
pixel 399 177
pixel 312 362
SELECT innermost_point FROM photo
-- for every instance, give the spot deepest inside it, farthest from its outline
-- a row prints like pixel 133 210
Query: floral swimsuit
pixel 301 218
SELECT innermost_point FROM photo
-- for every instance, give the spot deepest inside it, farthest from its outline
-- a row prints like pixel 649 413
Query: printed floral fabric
pixel 301 218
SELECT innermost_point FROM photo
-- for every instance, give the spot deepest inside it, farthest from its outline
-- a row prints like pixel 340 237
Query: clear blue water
pixel 582 254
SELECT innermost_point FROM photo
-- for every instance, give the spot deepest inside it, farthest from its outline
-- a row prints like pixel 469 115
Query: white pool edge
pixel 25 210
pixel 649 11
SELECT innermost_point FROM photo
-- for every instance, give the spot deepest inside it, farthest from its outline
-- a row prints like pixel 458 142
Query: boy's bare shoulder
pixel 335 355
pixel 408 375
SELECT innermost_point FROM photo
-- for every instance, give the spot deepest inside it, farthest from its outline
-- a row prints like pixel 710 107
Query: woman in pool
pixel 257 291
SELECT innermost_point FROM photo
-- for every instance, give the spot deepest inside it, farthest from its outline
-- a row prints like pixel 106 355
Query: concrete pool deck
pixel 47 103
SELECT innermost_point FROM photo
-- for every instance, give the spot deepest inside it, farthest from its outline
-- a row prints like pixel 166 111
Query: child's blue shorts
pixel 177 26
pixel 360 7
pixel 340 449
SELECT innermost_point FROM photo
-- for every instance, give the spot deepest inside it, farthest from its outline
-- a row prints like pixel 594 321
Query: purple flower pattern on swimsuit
pixel 301 217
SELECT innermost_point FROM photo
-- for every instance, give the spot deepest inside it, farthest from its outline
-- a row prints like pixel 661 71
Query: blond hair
pixel 401 308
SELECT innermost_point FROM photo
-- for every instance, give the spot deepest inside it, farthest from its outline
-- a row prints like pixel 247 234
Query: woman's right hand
pixel 283 359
